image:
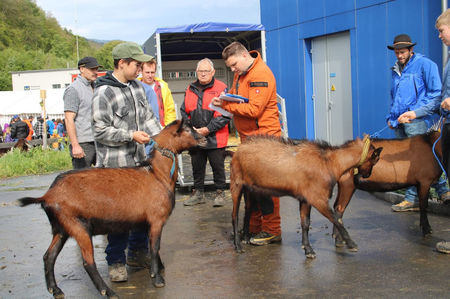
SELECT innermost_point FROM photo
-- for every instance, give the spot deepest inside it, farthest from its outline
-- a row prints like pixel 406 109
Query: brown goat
pixel 94 201
pixel 305 170
pixel 403 163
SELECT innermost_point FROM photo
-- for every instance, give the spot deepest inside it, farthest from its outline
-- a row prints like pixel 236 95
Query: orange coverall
pixel 258 116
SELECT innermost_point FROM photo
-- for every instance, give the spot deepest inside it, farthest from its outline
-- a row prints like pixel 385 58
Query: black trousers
pixel 445 142
pixel 216 158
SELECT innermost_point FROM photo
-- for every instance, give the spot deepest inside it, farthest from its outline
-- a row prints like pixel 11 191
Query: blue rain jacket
pixel 417 88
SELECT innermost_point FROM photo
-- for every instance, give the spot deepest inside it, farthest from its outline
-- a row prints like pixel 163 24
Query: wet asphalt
pixel 393 261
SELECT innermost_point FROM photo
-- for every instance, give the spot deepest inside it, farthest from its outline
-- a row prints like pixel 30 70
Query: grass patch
pixel 35 161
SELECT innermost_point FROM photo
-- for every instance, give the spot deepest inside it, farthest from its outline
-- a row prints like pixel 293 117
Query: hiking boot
pixel 197 197
pixel 405 206
pixel 445 198
pixel 138 259
pixel 443 247
pixel 118 273
pixel 219 200
pixel 264 238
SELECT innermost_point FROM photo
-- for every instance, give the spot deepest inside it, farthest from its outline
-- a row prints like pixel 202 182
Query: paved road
pixel 393 260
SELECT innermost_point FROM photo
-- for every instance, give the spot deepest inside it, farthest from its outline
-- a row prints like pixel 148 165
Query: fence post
pixel 44 113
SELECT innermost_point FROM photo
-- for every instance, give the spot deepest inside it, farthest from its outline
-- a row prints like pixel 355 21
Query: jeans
pixel 416 127
pixel 88 160
pixel 117 243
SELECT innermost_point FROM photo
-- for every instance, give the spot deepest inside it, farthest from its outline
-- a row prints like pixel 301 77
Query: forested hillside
pixel 32 40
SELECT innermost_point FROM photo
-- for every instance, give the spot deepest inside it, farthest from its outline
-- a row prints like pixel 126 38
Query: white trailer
pixel 177 51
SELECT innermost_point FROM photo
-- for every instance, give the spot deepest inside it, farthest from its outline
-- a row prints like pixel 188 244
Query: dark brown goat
pixel 403 163
pixel 305 170
pixel 84 203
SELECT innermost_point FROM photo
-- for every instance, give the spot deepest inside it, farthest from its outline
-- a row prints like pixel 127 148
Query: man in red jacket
pixel 254 80
pixel 212 125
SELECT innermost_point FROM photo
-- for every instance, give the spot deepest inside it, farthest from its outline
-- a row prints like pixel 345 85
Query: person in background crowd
pixel 122 124
pixel 39 128
pixel 29 122
pixel 254 80
pixel 19 129
pixel 212 125
pixel 78 114
pixel 416 87
pixel 50 127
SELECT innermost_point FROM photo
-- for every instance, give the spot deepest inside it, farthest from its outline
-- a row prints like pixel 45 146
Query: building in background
pixel 331 62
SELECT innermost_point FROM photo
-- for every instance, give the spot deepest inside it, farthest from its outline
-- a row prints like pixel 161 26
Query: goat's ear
pixel 181 125
pixel 376 154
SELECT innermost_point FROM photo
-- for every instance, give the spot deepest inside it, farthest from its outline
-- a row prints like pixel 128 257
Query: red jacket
pixel 195 108
pixel 260 114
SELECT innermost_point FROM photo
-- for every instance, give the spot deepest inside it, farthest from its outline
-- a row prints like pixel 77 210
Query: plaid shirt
pixel 38 129
pixel 118 111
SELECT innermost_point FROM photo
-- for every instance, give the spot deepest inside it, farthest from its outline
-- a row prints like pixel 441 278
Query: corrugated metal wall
pixel 372 24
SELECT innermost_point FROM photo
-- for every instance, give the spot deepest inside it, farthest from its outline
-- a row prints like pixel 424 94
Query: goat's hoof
pixel 339 243
pixel 158 281
pixel 59 296
pixel 353 249
pixel 57 293
pixel 310 255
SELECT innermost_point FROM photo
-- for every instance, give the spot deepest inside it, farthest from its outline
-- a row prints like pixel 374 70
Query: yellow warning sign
pixel 332 87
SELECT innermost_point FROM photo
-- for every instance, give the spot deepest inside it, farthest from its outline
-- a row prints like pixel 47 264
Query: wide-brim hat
pixel 401 41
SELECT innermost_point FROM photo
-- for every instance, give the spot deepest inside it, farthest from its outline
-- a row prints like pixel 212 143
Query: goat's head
pixel 179 136
pixel 369 157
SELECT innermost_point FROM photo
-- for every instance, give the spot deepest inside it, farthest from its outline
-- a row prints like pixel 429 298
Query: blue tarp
pixel 211 27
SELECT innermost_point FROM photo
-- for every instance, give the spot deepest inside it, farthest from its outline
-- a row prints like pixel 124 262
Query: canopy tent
pixel 24 103
pixel 196 41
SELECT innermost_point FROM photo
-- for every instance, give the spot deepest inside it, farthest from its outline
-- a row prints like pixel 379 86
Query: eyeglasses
pixel 203 71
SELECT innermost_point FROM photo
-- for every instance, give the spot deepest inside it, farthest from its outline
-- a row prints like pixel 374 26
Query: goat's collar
pixel 364 153
pixel 165 152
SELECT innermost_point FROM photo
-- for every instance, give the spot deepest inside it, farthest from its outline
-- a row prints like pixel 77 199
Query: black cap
pixel 401 41
pixel 89 62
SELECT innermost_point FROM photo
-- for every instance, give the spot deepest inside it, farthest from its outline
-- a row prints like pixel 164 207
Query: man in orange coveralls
pixel 254 80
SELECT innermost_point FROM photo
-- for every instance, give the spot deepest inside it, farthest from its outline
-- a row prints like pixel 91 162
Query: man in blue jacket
pixel 416 89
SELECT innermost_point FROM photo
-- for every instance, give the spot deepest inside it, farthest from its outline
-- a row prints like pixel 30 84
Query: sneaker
pixel 443 247
pixel 219 200
pixel 138 259
pixel 118 273
pixel 197 197
pixel 264 238
pixel 405 206
pixel 445 197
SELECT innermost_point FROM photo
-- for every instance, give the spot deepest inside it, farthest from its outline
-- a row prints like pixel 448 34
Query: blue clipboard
pixel 233 98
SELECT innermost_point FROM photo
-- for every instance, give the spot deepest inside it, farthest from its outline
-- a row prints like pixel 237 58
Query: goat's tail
pixel 25 201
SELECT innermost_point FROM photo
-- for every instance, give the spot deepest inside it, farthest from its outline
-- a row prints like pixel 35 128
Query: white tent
pixel 25 103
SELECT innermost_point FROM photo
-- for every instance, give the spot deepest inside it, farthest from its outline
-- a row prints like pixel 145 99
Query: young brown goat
pixel 403 163
pixel 94 201
pixel 304 170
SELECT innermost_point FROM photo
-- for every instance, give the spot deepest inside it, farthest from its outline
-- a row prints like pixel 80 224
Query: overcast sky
pixel 137 20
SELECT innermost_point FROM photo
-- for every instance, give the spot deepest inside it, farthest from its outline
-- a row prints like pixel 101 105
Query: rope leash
pixel 440 124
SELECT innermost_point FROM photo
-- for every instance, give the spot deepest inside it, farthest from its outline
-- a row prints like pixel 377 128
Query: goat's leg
pixel 325 210
pixel 155 242
pixel 79 233
pixel 248 211
pixel 305 221
pixel 422 192
pixel 50 256
pixel 346 189
pixel 236 194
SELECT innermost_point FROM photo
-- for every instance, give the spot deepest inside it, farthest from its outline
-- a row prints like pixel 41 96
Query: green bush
pixel 35 161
